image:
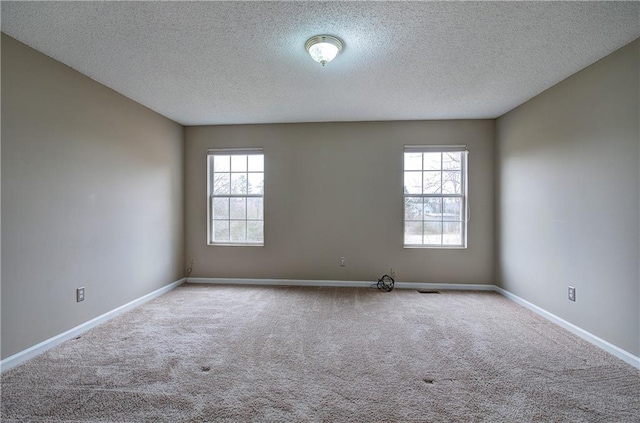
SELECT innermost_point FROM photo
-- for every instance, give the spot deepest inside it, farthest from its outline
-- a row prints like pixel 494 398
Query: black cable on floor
pixel 384 284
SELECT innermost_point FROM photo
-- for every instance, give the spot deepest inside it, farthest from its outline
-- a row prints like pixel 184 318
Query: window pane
pixel 255 231
pixel 238 208
pixel 413 182
pixel 413 208
pixel 239 163
pixel 254 208
pixel 432 161
pixel 238 231
pixel 432 182
pixel 412 161
pixel 451 183
pixel 238 183
pixel 256 163
pixel 220 208
pixel 236 189
pixel 413 233
pixel 433 209
pixel 220 163
pixel 256 183
pixel 221 183
pixel 433 233
pixel 451 160
pixel 452 233
pixel 434 197
pixel 452 209
pixel 221 231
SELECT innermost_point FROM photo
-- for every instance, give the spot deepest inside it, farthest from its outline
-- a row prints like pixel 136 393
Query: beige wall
pixel 568 199
pixel 92 195
pixel 335 189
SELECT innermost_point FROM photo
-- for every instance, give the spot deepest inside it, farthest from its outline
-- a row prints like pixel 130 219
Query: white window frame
pixel 464 195
pixel 210 194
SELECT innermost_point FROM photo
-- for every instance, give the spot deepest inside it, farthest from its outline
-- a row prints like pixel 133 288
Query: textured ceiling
pixel 244 62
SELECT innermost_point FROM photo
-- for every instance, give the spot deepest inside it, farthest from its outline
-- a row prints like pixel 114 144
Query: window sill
pixel 436 247
pixel 218 244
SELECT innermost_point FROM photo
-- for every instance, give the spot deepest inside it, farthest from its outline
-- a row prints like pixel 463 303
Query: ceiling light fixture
pixel 323 48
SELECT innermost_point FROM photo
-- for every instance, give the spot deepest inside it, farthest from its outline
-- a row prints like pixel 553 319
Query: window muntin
pixel 435 196
pixel 236 197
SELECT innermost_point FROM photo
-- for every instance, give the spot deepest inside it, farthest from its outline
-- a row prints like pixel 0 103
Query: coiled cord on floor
pixel 384 284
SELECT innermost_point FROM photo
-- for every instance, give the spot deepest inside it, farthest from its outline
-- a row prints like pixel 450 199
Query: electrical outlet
pixel 343 262
pixel 393 273
pixel 80 294
pixel 572 293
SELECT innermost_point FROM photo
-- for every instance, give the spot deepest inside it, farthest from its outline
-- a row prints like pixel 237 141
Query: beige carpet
pixel 224 353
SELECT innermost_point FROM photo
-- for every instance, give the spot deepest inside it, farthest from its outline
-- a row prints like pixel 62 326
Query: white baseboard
pixel 352 284
pixel 587 336
pixel 43 346
pixel 278 282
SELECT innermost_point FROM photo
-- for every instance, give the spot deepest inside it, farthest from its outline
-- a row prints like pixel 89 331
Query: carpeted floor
pixel 228 353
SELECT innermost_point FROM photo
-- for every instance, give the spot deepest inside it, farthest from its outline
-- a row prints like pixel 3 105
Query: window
pixel 435 196
pixel 236 194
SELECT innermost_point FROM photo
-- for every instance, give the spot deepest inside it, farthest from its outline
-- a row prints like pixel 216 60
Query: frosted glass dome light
pixel 323 48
